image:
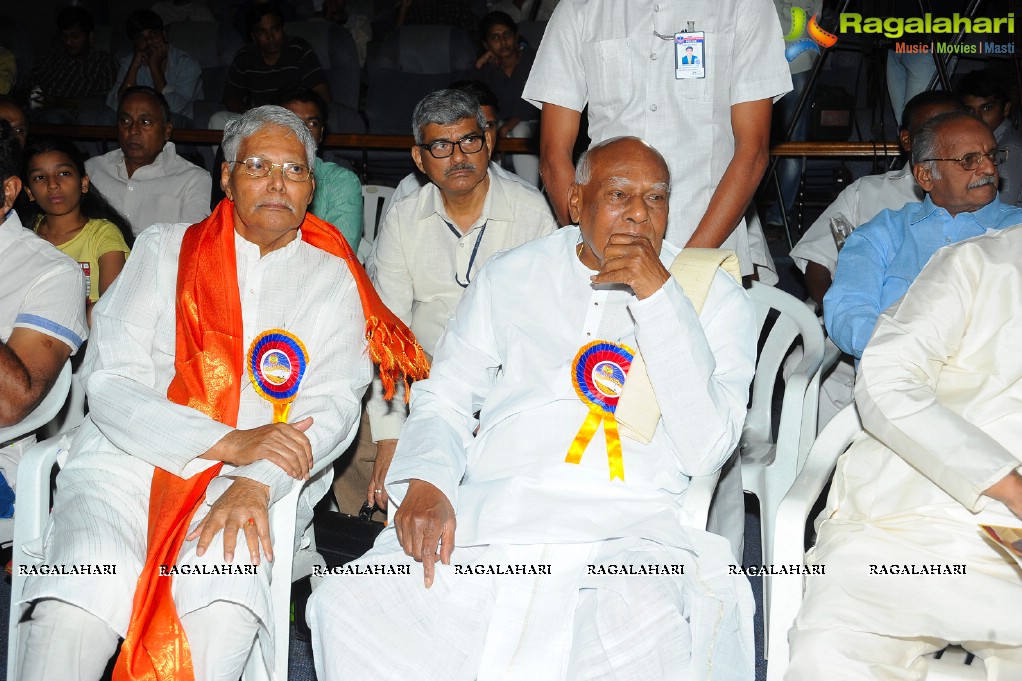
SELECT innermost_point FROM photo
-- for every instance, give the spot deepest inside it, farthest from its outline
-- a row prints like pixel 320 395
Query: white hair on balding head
pixel 928 143
pixel 584 167
pixel 254 120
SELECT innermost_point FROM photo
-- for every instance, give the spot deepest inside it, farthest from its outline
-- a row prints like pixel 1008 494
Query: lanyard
pixel 471 259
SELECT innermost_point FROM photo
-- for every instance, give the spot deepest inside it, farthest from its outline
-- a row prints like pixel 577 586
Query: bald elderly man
pixel 521 536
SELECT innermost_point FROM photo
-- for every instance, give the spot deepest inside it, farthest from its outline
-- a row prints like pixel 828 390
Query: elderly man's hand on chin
pixel 424 521
pixel 632 260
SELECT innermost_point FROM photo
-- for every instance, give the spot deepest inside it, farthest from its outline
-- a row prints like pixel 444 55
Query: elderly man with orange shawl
pixel 227 358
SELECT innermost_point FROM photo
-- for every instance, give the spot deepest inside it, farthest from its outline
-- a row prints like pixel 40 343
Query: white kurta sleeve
pixel 442 421
pixel 558 73
pixel 120 375
pixel 817 244
pixel 700 368
pixel 900 369
pixel 331 393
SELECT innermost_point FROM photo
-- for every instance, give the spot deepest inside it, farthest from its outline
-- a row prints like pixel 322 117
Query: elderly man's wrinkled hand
pixel 284 444
pixel 632 260
pixel 424 521
pixel 244 507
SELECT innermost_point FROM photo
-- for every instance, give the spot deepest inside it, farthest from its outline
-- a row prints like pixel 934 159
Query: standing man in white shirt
pixel 711 121
pixel 433 243
pixel 145 179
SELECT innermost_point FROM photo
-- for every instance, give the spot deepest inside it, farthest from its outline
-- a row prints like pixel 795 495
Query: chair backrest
pixel 46 410
pixel 375 202
pixel 790 322
pixel 337 52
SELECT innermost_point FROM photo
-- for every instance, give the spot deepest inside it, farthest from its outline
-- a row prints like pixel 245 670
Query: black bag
pixel 341 538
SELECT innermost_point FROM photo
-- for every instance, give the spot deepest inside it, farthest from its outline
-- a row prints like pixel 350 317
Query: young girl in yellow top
pixel 73 216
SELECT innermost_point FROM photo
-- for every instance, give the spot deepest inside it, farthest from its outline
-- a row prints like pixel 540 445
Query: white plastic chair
pixel 769 464
pixel 375 202
pixel 792 516
pixel 30 524
pixel 40 416
pixel 45 411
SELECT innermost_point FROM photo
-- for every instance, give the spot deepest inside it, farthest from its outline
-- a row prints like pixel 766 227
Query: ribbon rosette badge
pixel 276 364
pixel 598 378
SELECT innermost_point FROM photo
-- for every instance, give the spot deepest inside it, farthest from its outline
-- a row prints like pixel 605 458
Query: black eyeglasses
pixel 258 167
pixel 469 144
pixel 973 160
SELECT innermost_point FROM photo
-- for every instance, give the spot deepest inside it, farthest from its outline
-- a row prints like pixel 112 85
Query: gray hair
pixel 584 167
pixel 254 120
pixel 927 140
pixel 445 107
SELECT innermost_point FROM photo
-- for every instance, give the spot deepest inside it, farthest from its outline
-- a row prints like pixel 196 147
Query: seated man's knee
pixel 61 640
pixel 220 636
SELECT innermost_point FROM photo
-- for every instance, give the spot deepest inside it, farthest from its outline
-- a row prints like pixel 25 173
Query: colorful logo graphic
pixel 276 364
pixel 797 43
pixel 599 376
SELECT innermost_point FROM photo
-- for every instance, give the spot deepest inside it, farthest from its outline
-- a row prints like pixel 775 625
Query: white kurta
pixel 941 386
pixel 618 58
pixel 507 353
pixel 102 501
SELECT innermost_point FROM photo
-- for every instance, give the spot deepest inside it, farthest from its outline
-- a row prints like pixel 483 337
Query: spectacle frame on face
pixel 258 167
pixel 973 160
pixel 469 144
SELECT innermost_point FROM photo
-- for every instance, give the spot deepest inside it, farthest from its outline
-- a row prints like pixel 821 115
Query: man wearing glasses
pixel 432 243
pixel 954 160
pixel 169 481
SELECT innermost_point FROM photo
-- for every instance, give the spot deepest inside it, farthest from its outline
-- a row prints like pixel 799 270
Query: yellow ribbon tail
pixel 281 411
pixel 584 436
pixel 614 458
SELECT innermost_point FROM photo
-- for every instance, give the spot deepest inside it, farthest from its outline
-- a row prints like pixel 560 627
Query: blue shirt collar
pixel 988 216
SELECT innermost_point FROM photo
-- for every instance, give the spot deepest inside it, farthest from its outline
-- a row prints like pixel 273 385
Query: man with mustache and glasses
pixel 954 160
pixel 432 243
pixel 170 479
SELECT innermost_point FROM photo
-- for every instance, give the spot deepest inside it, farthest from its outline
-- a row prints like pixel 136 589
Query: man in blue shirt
pixel 955 161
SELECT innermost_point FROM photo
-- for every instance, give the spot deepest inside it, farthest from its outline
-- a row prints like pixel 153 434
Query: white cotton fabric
pixel 940 395
pixel 417 261
pixel 169 190
pixel 507 353
pixel 606 54
pixel 860 202
pixel 102 501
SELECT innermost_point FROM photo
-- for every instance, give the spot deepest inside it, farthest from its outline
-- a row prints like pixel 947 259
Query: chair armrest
pixel 32 507
pixel 695 508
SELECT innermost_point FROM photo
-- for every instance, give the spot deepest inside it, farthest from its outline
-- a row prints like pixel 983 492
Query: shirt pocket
pixel 608 71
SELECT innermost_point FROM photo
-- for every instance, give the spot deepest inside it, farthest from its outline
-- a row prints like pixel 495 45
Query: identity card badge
pixel 690 55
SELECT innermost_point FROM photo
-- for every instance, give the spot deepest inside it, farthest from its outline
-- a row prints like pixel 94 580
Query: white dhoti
pixel 875 612
pixel 583 620
pixel 100 519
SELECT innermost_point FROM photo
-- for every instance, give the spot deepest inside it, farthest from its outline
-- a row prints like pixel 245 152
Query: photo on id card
pixel 689 55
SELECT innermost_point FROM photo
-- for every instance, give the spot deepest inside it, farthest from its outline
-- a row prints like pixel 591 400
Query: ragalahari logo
pixel 797 44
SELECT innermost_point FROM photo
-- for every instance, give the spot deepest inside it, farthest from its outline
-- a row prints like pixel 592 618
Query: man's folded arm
pixel 700 375
pixel 120 373
pixel 442 423
pixel 896 395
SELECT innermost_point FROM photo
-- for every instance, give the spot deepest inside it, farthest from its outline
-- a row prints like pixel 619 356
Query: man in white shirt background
pixel 433 243
pixel 145 179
